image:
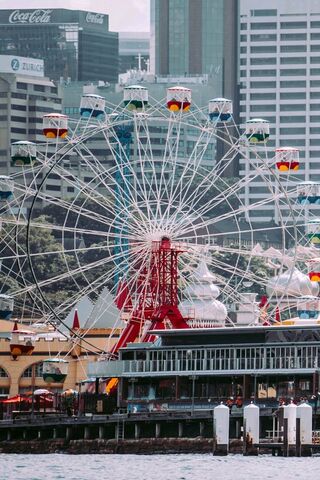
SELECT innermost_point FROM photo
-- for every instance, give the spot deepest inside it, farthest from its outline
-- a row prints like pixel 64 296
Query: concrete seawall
pixel 142 446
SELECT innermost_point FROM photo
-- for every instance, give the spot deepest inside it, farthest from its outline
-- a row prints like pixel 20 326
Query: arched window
pixel 37 367
pixel 3 373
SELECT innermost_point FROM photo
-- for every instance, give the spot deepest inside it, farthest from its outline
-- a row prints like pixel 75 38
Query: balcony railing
pixel 214 361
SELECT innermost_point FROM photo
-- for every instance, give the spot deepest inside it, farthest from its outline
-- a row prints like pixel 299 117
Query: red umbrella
pixel 16 399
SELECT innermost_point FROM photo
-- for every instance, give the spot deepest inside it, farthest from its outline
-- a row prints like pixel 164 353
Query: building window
pixel 263 73
pixel 263 13
pixel 315 36
pixel 263 84
pixel 21 96
pixel 293 48
pixel 290 37
pixel 262 96
pixel 21 108
pixel 287 25
pixel 293 84
pixel 314 142
pixel 39 88
pixel 3 373
pixel 292 119
pixel 264 49
pixel 315 71
pixel 263 61
pixel 38 368
pixel 53 188
pixel 293 131
pixel 300 107
pixel 263 108
pixel 18 130
pixel 292 95
pixel 264 37
pixel 14 118
pixel 22 85
pixel 293 60
pixel 296 72
pixel 263 26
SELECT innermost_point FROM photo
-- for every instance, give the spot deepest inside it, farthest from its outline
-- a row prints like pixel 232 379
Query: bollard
pixel 251 430
pixel 180 429
pixel 290 420
pixel 136 431
pixel 304 430
pixel 221 416
pixel 158 430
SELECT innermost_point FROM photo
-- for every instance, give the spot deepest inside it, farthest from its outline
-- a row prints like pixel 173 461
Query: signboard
pixel 21 65
pixel 58 16
pixel 30 16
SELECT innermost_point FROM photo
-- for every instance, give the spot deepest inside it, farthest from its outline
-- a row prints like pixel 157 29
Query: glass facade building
pixel 191 37
pixel 73 44
pixel 280 82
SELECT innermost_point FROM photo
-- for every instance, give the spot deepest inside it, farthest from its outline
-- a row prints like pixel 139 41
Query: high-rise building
pixel 191 37
pixel 134 51
pixel 73 44
pixel 280 82
pixel 196 37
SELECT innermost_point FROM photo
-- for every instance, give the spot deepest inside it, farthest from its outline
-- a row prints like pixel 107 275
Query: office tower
pixel 280 82
pixel 74 44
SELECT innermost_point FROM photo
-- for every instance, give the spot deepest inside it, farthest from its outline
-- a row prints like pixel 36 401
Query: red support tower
pixel 157 293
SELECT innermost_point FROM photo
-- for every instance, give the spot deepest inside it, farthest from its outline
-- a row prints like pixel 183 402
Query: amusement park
pixel 149 290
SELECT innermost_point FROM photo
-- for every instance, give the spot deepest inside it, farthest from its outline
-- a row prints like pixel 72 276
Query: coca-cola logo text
pixel 37 16
pixel 94 18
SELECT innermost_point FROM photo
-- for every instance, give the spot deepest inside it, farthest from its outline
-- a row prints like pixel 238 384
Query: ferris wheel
pixel 135 200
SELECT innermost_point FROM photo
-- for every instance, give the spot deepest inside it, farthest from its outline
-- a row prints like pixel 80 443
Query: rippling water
pixel 156 467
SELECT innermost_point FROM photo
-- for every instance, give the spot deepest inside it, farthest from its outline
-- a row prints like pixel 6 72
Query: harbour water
pixel 156 467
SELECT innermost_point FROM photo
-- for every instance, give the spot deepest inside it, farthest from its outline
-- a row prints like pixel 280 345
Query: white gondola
pixel 92 106
pixel 178 98
pixel 308 193
pixel 308 307
pixel 257 130
pixel 313 230
pixel 6 187
pixel 55 125
pixel 135 97
pixel 287 158
pixel 6 306
pixel 220 109
pixel 23 153
pixel 55 370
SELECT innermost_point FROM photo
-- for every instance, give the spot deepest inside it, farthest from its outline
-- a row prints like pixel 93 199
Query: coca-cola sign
pixel 36 16
pixel 94 18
